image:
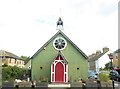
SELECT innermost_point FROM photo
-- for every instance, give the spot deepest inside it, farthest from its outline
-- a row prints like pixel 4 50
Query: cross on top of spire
pixel 59 24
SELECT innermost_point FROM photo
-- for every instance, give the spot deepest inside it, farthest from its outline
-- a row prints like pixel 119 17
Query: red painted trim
pixel 59 70
pixel 53 68
pixel 61 58
pixel 65 78
pixel 65 67
pixel 52 77
pixel 57 58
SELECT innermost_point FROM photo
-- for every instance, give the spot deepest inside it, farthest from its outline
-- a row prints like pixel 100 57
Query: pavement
pixel 117 85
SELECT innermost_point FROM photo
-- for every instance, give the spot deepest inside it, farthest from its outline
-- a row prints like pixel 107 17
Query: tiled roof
pixel 8 54
pixel 96 57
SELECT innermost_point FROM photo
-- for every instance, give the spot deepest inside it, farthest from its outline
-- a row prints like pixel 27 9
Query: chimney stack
pixel 98 52
pixel 105 49
pixel 93 55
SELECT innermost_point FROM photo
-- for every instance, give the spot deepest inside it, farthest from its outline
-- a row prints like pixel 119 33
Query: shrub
pixel 104 77
pixel 11 73
pixel 5 65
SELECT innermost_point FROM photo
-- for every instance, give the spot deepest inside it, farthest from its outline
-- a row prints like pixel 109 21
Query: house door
pixel 59 72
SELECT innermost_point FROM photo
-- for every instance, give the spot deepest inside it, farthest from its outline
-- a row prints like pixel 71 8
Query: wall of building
pixel 116 59
pixel 77 64
pixel 13 62
pixel 94 59
pixel 28 65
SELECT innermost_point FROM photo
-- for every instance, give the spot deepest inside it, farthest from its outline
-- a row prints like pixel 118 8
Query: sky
pixel 25 25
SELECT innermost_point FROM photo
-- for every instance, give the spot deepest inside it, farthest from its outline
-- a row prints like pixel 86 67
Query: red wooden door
pixel 59 72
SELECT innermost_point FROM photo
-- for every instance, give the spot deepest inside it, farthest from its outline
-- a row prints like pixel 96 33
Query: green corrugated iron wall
pixel 28 64
pixel 41 63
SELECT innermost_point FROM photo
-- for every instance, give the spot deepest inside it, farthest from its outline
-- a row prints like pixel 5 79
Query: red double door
pixel 59 71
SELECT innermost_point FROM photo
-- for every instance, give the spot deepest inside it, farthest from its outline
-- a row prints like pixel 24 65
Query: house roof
pixel 118 50
pixel 59 32
pixel 96 57
pixel 8 54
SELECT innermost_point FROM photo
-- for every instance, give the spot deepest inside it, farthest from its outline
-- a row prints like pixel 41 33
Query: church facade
pixel 59 60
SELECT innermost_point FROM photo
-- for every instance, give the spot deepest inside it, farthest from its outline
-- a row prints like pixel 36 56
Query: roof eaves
pixel 96 57
pixel 79 50
pixel 28 59
pixel 45 45
pixel 9 54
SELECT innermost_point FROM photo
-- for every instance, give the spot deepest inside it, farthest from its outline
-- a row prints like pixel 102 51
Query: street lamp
pixel 111 58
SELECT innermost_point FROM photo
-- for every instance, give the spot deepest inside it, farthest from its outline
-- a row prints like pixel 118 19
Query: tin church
pixel 59 60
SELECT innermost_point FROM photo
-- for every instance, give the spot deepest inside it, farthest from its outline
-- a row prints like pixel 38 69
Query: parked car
pixel 114 75
pixel 92 74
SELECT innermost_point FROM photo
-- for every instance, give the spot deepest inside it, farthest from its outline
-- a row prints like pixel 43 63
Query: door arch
pixel 59 70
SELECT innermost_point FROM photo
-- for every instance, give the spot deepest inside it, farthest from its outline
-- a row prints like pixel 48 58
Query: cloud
pixel 86 22
pixel 106 9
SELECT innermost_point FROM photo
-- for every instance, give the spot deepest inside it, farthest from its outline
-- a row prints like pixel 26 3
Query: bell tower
pixel 59 24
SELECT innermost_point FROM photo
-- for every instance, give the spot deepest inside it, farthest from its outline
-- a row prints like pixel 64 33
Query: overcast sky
pixel 25 25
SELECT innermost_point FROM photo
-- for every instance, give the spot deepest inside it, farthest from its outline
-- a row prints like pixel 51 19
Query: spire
pixel 59 24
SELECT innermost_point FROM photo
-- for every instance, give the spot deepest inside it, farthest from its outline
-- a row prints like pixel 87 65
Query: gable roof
pixel 59 32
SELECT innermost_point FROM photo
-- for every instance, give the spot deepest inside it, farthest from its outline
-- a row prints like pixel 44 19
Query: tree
pixel 6 71
pixel 107 66
pixel 25 58
pixel 5 65
pixel 101 68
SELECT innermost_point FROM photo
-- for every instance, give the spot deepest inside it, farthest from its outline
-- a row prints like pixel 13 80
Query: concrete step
pixel 58 85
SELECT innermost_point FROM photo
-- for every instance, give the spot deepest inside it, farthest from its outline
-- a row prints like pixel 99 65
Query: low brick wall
pixel 106 85
pixel 22 84
pixel 41 84
pixel 92 84
pixel 95 84
pixel 76 84
pixel 88 84
pixel 8 84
